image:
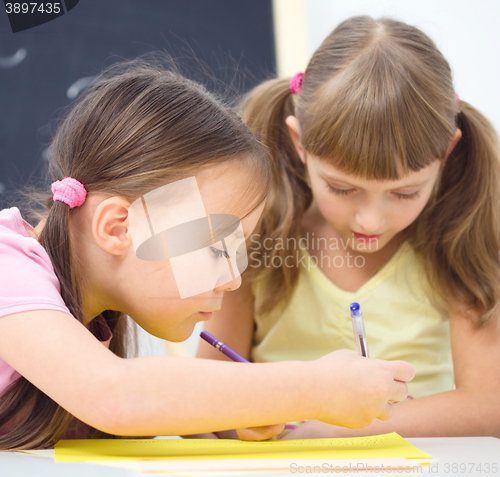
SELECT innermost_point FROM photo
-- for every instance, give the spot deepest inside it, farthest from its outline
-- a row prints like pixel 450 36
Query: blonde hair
pixel 138 127
pixel 377 97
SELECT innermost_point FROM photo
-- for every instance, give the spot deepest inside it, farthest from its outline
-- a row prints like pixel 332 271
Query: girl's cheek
pixel 416 210
pixel 335 209
pixel 406 216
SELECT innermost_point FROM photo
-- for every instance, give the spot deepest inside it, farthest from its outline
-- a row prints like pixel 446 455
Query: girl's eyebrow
pixel 335 179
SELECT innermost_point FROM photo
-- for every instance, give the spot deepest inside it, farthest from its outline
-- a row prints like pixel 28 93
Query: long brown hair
pixel 378 97
pixel 138 127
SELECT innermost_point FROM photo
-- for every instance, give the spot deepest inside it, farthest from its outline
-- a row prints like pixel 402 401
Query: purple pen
pixel 222 347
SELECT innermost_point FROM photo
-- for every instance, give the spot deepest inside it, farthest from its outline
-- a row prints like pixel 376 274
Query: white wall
pixel 466 32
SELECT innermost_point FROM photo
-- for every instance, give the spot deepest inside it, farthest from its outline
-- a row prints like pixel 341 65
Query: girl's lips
pixel 206 315
pixel 365 238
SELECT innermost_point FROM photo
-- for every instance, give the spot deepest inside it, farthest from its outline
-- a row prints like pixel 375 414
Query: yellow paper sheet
pixel 382 446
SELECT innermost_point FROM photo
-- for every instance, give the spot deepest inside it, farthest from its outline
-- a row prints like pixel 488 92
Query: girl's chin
pixel 179 336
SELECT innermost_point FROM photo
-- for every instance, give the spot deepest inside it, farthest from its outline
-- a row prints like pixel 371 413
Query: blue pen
pixel 359 330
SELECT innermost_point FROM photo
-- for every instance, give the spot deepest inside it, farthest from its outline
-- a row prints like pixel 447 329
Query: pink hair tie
pixel 69 191
pixel 457 98
pixel 296 82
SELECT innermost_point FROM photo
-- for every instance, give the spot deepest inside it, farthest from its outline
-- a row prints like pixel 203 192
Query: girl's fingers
pixel 387 412
pixel 399 391
pixel 402 370
pixel 260 433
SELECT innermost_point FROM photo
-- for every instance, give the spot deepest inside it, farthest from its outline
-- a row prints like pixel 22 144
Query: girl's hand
pixel 315 430
pixel 362 390
pixel 261 433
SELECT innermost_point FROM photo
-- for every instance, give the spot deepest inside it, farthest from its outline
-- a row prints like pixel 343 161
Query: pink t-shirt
pixel 27 281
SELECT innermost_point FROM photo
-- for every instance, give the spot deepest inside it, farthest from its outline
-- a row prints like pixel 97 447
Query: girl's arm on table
pixel 234 326
pixel 166 395
pixel 469 410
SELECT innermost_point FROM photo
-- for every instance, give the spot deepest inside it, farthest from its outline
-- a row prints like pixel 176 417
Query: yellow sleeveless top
pixel 400 322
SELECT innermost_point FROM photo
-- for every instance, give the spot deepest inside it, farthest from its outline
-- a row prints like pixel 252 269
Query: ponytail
pixel 55 240
pixel 264 111
pixel 460 236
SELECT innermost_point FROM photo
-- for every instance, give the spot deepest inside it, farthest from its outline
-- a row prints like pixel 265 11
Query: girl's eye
pixel 412 196
pixel 337 191
pixel 219 253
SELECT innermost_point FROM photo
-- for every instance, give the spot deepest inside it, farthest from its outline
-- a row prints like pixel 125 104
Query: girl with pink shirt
pixel 68 285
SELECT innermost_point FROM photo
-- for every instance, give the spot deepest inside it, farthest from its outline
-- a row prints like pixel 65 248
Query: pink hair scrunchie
pixel 296 82
pixel 69 191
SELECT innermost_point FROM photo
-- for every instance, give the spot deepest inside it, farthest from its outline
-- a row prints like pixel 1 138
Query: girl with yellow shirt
pixel 386 192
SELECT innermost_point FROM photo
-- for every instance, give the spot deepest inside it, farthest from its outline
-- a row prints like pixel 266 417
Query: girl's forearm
pixel 171 395
pixel 461 412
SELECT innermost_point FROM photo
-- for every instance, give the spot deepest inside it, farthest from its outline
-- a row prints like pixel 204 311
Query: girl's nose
pixel 369 220
pixel 230 286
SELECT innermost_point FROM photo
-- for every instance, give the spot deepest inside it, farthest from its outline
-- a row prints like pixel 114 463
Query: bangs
pixel 380 117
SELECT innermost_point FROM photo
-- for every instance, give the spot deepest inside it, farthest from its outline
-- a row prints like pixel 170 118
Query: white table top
pixel 452 456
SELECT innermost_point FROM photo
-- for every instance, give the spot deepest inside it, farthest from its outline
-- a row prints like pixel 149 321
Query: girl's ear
pixel 453 143
pixel 293 128
pixel 110 226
